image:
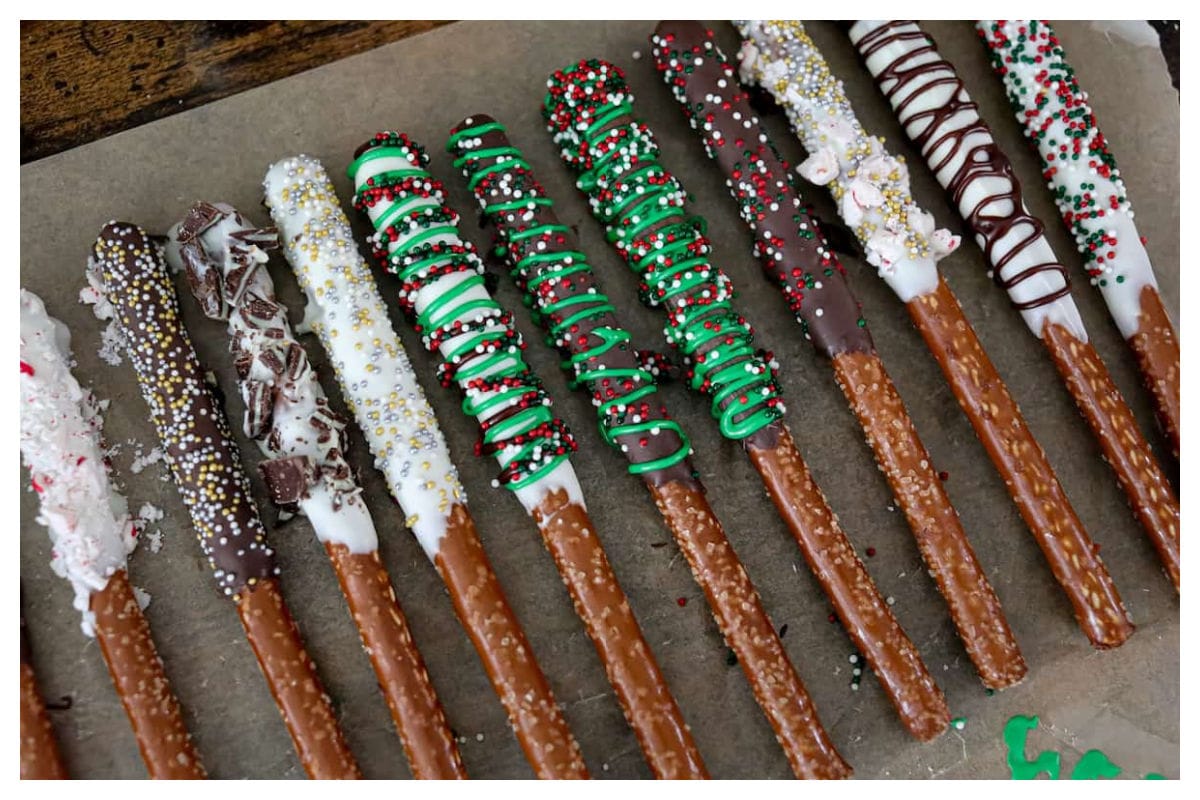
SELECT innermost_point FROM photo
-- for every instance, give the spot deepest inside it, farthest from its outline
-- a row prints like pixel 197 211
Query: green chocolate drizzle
pixel 1092 765
pixel 559 286
pixel 443 287
pixel 590 115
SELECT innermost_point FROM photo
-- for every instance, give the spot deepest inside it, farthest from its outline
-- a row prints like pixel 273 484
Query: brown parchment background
pixel 1123 702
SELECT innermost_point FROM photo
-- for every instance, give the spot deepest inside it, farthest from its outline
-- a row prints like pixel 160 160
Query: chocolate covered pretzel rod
pixel 444 294
pixel 207 471
pixel 559 286
pixel 939 117
pixel 40 760
pixel 1082 174
pixel 346 312
pixel 797 258
pixel 873 195
pixel 93 534
pixel 287 413
pixel 590 116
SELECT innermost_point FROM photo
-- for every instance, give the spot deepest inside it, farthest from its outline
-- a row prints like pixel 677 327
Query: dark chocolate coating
pixel 788 241
pixel 191 426
pixel 637 448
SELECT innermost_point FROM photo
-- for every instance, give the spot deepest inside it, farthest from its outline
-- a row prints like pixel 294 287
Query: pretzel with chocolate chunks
pixel 286 412
pixel 93 535
pixel 346 311
pixel 208 473
pixel 944 123
pixel 796 256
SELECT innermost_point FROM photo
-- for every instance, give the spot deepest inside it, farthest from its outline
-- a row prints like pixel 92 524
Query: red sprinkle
pixel 26 369
pixel 945 476
pixel 682 601
pixel 870 552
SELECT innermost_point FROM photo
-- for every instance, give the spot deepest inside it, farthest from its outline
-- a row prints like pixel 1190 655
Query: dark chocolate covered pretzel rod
pixel 944 123
pixel 590 116
pixel 796 256
pixel 208 473
pixel 560 287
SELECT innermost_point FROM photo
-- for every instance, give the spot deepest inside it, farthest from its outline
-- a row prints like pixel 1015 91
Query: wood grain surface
pixel 81 81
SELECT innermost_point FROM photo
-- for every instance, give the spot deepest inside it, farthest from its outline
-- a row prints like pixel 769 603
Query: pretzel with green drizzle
pixel 443 290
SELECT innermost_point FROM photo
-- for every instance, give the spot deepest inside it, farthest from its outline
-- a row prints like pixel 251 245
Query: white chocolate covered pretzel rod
pixel 93 535
pixel 1081 172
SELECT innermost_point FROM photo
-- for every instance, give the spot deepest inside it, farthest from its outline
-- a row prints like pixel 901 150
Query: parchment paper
pixel 1123 702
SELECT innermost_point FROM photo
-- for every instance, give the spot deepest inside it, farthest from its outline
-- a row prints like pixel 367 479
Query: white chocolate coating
pixel 333 502
pixel 870 185
pixel 986 193
pixel 1040 93
pixel 88 521
pixel 346 311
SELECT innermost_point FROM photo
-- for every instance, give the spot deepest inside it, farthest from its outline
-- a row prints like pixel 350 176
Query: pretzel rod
pixel 347 313
pixel 208 473
pixel 589 110
pixel 799 260
pixel 560 287
pixel 1082 174
pixel 940 118
pixel 287 413
pixel 444 294
pixel 40 759
pixel 873 195
pixel 90 526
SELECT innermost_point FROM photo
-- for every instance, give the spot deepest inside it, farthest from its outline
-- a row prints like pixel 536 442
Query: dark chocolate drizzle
pixel 191 426
pixel 594 342
pixel 788 240
pixel 984 160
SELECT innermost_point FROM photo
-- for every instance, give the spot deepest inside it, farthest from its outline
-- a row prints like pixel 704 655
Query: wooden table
pixel 81 81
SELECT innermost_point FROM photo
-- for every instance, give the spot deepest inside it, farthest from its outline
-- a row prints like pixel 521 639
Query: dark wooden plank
pixel 81 81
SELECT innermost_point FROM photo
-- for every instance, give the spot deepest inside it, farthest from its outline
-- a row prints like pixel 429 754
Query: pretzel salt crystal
pixel 346 311
pixel 796 256
pixel 93 534
pixel 940 118
pixel 286 412
pixel 208 473
pixel 875 200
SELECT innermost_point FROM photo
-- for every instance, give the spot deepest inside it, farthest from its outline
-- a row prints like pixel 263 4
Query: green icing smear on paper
pixel 1092 765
